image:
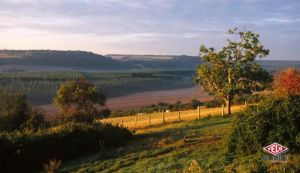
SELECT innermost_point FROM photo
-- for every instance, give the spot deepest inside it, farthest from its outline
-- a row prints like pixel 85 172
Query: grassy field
pixel 164 148
pixel 172 147
pixel 141 121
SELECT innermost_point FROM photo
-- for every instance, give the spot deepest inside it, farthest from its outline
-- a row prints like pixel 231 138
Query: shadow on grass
pixel 197 124
pixel 142 145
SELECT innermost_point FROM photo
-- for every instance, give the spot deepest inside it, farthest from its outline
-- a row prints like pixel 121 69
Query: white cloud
pixel 141 26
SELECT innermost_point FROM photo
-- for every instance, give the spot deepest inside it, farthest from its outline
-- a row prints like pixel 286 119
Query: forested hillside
pixel 82 60
pixel 74 59
pixel 19 60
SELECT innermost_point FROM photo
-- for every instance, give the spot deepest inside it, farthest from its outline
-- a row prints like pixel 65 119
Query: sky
pixel 169 27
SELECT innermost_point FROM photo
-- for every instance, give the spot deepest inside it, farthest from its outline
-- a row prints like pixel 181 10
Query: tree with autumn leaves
pixel 287 82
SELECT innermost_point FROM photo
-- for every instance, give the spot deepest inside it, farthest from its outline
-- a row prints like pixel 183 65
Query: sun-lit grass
pixel 164 148
pixel 172 147
pixel 140 121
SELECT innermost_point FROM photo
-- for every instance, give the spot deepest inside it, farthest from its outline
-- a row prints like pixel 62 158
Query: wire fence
pixel 156 118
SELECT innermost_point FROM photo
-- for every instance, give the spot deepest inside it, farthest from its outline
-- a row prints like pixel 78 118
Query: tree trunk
pixel 228 104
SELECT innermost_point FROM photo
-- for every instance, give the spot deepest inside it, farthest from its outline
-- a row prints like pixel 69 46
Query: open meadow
pixel 164 148
pixel 172 147
pixel 156 118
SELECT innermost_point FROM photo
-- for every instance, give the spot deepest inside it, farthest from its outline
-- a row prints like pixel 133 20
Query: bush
pixel 104 113
pixel 213 103
pixel 277 119
pixel 35 121
pixel 17 114
pixel 193 168
pixel 250 98
pixel 287 82
pixel 158 107
pixel 29 151
pixel 195 103
pixel 14 111
pixel 76 118
pixel 53 166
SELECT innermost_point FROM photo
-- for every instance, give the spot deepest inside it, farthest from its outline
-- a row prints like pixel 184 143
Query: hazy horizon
pixel 116 54
pixel 155 27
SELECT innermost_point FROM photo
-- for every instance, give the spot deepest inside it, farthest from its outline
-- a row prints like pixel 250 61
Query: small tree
pixel 233 69
pixel 79 98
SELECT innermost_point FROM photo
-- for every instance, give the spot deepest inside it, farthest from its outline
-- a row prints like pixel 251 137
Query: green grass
pixel 173 146
pixel 164 148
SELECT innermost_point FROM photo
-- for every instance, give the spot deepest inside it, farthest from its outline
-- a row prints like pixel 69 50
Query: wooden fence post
pixel 199 113
pixel 149 115
pixel 122 122
pixel 135 124
pixel 179 115
pixel 163 114
pixel 222 110
pixel 245 104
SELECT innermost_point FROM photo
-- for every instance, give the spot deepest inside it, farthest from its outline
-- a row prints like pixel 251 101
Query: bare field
pixel 143 99
pixel 153 97
pixel 145 120
pixel 33 68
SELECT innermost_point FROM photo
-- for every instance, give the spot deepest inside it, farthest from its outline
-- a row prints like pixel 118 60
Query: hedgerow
pixel 28 151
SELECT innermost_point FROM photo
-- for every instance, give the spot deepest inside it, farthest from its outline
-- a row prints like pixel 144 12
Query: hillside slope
pixel 74 59
pixel 173 147
pixel 82 60
pixel 167 148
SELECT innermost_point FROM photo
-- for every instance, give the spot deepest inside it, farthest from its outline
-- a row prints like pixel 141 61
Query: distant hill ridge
pixel 74 59
pixel 83 60
pixel 90 60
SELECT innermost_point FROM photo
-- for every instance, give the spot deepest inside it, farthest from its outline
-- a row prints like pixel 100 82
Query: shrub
pixel 193 168
pixel 159 107
pixel 76 118
pixel 13 111
pixel 213 103
pixel 277 119
pixel 104 113
pixel 17 114
pixel 288 82
pixel 53 166
pixel 29 151
pixel 195 103
pixel 35 121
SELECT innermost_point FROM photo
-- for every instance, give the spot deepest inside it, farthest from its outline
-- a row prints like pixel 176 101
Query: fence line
pixel 146 120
